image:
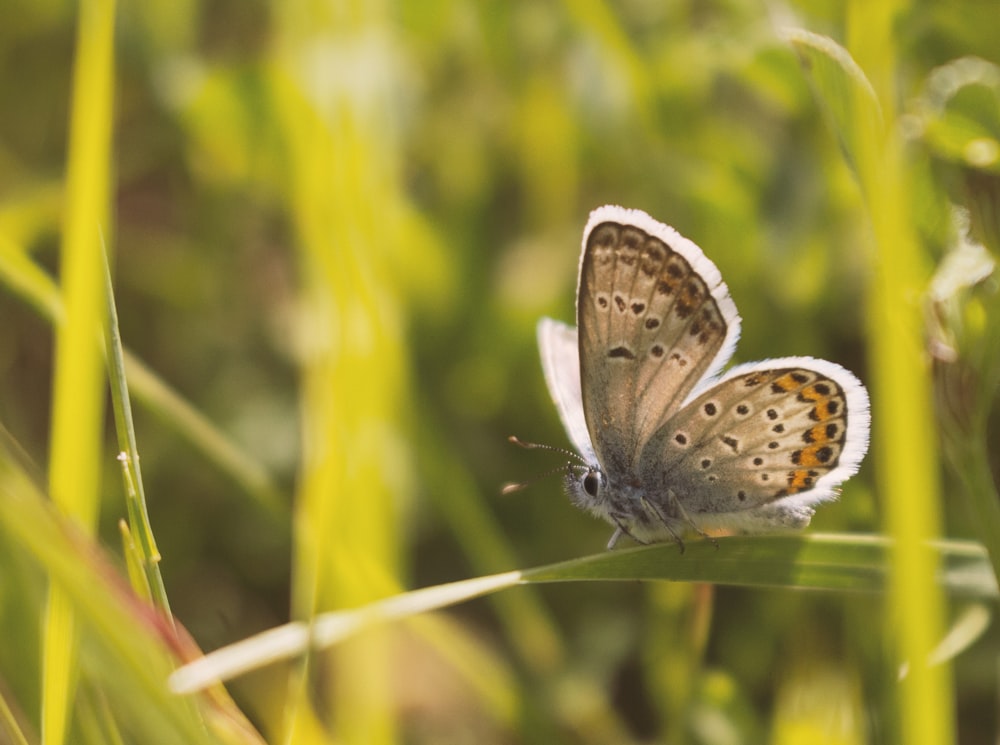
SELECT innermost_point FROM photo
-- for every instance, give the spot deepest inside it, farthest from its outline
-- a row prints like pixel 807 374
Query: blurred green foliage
pixel 333 228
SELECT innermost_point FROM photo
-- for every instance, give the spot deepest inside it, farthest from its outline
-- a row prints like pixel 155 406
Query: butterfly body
pixel 671 447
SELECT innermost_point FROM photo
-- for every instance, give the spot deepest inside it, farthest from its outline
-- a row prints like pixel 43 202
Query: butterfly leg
pixel 687 518
pixel 621 530
pixel 654 509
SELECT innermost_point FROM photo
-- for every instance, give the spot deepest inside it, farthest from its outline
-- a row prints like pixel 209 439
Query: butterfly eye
pixel 591 483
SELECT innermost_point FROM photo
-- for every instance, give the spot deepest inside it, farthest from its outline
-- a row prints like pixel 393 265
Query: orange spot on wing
pixel 809 393
pixel 824 411
pixel 786 383
pixel 817 434
pixel 799 480
pixel 813 456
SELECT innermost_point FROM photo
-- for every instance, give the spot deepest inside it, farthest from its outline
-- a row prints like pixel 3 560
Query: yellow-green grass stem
pixel 903 419
pixel 78 403
pixel 140 528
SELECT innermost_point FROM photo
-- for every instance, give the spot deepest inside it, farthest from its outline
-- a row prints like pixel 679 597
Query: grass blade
pixel 901 393
pixel 141 531
pixel 831 562
pixel 77 407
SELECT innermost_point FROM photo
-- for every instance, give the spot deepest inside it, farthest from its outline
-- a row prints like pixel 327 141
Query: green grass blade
pixel 830 562
pixel 77 407
pixel 902 399
pixel 141 531
pixel 294 639
pixel 902 412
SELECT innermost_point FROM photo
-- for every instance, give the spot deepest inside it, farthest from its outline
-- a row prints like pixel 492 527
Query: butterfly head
pixel 586 486
pixel 617 501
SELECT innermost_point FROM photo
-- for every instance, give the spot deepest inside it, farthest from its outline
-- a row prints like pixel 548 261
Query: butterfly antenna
pixel 552 448
pixel 519 485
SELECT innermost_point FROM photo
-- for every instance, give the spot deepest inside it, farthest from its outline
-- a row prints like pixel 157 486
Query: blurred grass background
pixel 333 228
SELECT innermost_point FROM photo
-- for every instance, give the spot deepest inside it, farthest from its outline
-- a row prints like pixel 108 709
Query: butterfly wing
pixel 760 447
pixel 655 318
pixel 561 365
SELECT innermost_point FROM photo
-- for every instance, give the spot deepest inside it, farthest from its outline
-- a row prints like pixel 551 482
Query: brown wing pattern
pixel 759 437
pixel 654 319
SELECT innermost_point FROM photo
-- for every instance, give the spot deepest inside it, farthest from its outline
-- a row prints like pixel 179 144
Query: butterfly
pixel 667 444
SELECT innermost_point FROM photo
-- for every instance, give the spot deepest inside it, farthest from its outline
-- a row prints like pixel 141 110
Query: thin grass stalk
pixel 77 407
pixel 10 728
pixel 135 496
pixel 902 410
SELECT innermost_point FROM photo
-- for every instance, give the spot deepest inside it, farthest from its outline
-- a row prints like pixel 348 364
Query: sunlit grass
pixel 857 564
pixel 344 198
pixel 902 393
pixel 864 117
pixel 77 403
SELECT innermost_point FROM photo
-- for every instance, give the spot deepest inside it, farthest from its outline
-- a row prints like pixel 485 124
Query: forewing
pixel 761 446
pixel 560 353
pixel 654 319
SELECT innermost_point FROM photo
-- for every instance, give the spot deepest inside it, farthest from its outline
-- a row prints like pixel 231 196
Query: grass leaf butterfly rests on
pixel 670 445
